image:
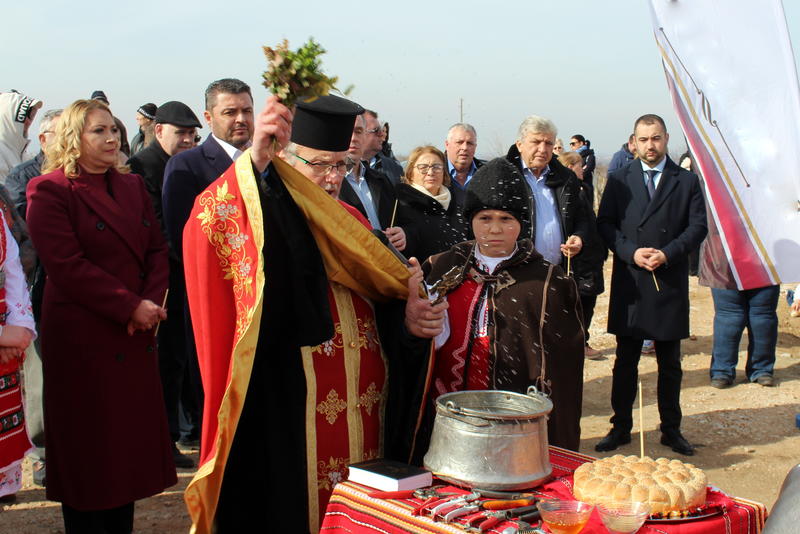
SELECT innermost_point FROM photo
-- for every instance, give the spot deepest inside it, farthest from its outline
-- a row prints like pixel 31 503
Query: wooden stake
pixel 394 212
pixel 641 423
pixel 163 305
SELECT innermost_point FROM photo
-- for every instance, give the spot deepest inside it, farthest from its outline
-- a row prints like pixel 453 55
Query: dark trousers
pixel 626 377
pixel 587 303
pixel 172 351
pixel 180 374
pixel 113 521
pixel 192 395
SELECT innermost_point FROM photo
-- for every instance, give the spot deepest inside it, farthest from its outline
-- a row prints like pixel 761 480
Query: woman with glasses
pixel 433 223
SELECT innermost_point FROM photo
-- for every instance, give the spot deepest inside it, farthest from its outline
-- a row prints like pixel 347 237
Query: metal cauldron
pixel 493 440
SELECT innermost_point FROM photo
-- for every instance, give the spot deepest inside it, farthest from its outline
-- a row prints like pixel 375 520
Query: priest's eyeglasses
pixel 322 168
pixel 436 168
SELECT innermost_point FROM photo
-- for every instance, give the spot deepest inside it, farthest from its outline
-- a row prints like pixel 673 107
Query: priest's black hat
pixel 325 123
pixel 497 185
pixel 178 114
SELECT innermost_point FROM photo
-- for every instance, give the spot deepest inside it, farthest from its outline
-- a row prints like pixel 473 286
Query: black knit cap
pixel 497 185
pixel 325 123
pixel 148 110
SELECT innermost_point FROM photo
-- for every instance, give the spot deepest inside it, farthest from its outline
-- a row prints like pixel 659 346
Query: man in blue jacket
pixel 623 156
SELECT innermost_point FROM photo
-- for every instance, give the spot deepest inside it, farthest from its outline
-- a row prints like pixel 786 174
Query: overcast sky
pixel 591 66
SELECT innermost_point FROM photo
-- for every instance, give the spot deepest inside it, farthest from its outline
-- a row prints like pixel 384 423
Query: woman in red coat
pixel 106 260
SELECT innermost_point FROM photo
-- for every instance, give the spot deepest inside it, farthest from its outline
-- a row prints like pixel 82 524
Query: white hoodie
pixel 13 112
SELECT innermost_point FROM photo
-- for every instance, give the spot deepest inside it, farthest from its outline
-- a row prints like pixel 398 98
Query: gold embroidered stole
pixel 229 214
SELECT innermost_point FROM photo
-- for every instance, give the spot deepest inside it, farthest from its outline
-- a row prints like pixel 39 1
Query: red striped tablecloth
pixel 352 510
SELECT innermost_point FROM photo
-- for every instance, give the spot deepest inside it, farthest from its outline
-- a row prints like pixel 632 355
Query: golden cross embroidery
pixel 331 406
pixel 369 398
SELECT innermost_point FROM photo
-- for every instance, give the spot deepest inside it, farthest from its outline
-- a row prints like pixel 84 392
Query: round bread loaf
pixel 666 485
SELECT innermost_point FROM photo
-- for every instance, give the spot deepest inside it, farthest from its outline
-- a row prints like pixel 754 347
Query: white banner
pixel 731 73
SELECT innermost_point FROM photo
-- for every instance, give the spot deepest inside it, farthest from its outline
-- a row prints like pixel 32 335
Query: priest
pixel 283 283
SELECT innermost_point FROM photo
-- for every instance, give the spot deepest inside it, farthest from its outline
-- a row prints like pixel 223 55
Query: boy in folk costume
pixel 16 333
pixel 514 319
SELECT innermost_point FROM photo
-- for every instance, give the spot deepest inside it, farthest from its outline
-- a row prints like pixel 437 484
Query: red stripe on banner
pixel 747 263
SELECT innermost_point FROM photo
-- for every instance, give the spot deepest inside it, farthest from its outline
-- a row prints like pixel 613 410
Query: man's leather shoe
pixel 721 383
pixel 677 443
pixel 766 380
pixel 613 439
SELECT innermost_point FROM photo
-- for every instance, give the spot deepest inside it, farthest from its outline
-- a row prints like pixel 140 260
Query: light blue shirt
pixel 361 187
pixel 659 168
pixel 452 171
pixel 548 236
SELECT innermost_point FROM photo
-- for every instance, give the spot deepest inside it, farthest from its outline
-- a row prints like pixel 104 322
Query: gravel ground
pixel 746 436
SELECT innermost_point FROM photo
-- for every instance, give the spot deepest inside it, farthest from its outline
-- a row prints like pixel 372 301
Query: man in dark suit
pixel 651 216
pixel 229 114
pixel 369 191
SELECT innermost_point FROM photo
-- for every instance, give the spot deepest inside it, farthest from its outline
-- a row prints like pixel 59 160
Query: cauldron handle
pixel 456 412
pixel 533 392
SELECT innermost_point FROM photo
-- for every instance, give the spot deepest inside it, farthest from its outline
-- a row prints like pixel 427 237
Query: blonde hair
pixel 418 153
pixel 64 151
pixel 569 158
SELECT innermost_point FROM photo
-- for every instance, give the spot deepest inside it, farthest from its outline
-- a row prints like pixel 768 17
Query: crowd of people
pixel 288 298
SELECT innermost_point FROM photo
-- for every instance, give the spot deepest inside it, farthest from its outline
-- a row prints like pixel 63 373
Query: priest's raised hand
pixel 273 127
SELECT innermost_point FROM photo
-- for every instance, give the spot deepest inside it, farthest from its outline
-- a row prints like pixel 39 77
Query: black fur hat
pixel 497 185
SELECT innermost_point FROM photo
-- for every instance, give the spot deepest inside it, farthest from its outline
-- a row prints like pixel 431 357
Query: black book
pixel 388 475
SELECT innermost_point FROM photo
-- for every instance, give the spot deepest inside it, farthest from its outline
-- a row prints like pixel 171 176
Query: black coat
pixel 674 222
pixel 388 166
pixel 429 228
pixel 566 191
pixel 383 195
pixel 588 163
pixel 587 266
pixel 149 163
